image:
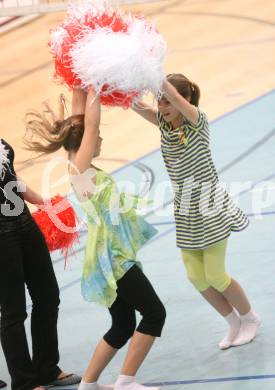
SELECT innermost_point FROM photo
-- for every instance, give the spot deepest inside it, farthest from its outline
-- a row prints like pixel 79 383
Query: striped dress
pixel 204 212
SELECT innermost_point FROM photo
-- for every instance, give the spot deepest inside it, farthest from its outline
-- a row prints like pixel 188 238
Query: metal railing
pixel 27 7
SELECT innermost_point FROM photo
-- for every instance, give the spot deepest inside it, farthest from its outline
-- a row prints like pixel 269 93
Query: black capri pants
pixel 134 292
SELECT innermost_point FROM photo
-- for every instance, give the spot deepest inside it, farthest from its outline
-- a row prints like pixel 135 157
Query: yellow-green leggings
pixel 206 268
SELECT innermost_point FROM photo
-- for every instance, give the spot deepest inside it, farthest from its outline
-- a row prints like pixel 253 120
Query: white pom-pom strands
pixel 120 55
pixel 57 38
pixel 125 61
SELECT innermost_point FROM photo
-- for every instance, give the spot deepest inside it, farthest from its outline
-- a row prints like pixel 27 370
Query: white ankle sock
pixel 125 382
pixel 234 322
pixel 93 386
pixel 87 386
pixel 251 316
pixel 250 323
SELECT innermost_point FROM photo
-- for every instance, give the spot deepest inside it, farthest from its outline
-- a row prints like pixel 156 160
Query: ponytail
pixel 52 134
pixel 185 87
pixel 195 94
pixel 39 127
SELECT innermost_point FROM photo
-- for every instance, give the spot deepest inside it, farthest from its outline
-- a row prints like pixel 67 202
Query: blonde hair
pixel 52 132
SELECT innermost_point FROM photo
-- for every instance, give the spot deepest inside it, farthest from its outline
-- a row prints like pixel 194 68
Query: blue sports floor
pixel 187 356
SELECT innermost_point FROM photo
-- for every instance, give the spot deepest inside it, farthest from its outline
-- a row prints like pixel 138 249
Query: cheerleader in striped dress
pixel 205 214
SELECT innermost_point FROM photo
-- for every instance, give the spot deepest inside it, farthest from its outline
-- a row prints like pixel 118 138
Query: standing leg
pixel 193 261
pixel 13 314
pixel 214 262
pixel 44 292
pixel 214 265
pixel 123 327
pixel 137 291
pixel 197 266
pixel 237 297
pixel 250 321
pixel 102 356
pixel 218 301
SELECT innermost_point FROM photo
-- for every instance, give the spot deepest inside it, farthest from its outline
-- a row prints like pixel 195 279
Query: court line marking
pixel 221 15
pixel 249 151
pixel 210 380
pixel 223 46
pixel 213 380
pixel 25 73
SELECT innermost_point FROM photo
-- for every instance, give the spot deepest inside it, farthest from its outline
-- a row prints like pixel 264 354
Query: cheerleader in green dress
pixel 112 276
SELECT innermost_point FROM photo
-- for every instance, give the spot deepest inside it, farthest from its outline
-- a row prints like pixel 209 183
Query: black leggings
pixel 25 259
pixel 134 292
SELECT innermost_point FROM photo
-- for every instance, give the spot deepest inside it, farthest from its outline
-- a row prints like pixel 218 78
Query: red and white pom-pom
pixel 57 221
pixel 120 55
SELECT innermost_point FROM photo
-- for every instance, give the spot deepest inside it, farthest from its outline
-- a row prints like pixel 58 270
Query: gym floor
pixel 226 47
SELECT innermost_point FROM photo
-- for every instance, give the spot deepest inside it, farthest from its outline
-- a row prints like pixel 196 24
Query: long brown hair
pixel 52 132
pixel 185 87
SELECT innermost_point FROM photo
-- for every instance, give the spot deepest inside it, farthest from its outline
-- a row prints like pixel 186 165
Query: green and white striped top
pixel 204 211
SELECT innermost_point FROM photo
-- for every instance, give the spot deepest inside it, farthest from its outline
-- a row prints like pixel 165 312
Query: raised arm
pixel 79 102
pixel 189 111
pixel 147 112
pixel 89 141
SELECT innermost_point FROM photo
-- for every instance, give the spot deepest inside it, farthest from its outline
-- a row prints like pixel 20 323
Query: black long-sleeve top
pixel 13 209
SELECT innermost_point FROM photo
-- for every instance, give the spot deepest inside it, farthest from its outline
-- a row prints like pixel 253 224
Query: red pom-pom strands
pixel 57 221
pixel 120 55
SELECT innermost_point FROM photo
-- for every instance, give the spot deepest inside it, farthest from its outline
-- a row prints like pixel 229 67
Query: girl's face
pixel 98 146
pixel 169 112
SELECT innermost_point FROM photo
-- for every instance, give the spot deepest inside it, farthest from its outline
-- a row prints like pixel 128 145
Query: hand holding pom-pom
pixel 120 55
pixel 57 221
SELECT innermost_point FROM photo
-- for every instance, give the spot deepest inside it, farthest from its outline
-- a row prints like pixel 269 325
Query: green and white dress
pixel 204 211
pixel 115 234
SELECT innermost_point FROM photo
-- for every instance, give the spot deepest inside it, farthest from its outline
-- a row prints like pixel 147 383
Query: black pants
pixel 25 259
pixel 134 292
